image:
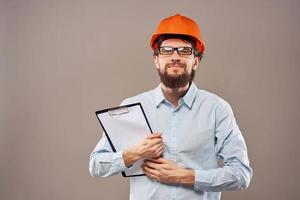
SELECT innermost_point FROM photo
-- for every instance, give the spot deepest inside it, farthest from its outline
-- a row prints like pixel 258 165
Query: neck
pixel 174 94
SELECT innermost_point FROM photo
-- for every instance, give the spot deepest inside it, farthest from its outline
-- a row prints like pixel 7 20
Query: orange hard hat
pixel 180 25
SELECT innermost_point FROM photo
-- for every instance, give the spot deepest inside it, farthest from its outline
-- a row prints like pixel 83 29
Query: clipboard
pixel 124 126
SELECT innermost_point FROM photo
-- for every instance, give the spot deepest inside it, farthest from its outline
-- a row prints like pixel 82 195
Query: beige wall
pixel 63 60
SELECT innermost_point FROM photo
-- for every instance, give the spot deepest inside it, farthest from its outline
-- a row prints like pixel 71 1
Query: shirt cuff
pixel 202 179
pixel 119 161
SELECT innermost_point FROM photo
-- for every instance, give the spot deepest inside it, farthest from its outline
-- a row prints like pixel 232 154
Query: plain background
pixel 63 60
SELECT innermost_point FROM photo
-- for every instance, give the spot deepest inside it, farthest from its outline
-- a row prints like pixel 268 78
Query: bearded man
pixel 193 129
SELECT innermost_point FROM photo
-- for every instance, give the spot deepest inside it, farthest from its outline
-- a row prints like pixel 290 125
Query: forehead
pixel 176 43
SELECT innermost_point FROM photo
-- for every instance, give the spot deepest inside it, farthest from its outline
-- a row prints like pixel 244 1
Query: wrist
pixel 130 156
pixel 187 177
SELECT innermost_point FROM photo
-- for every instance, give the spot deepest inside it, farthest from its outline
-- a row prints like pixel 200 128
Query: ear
pixel 196 62
pixel 156 61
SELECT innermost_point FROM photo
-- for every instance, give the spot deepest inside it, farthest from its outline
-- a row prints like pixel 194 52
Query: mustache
pixel 175 63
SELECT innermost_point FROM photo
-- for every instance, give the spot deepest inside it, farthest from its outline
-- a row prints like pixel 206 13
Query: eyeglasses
pixel 183 51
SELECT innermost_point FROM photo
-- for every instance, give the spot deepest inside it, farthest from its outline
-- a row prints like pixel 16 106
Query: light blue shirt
pixel 197 133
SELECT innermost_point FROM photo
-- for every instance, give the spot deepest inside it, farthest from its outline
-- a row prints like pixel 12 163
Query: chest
pixel 187 133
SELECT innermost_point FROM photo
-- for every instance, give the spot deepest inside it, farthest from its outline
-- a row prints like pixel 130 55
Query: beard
pixel 177 80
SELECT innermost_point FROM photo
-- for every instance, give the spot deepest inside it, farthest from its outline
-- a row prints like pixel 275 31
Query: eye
pixel 166 49
pixel 185 50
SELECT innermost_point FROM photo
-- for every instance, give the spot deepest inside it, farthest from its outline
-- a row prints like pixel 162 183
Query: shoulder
pixel 140 98
pixel 212 99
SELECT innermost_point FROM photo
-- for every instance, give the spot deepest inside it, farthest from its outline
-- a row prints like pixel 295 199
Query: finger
pixel 153 135
pixel 158 148
pixel 153 145
pixel 155 160
pixel 152 173
pixel 159 160
pixel 156 141
pixel 151 164
pixel 159 151
pixel 154 148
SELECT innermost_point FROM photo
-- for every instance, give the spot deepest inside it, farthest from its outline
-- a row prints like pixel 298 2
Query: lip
pixel 175 66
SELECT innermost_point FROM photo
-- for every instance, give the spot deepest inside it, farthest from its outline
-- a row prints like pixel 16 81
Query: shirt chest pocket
pixel 196 144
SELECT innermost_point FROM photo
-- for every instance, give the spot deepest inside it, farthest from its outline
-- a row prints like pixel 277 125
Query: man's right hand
pixel 150 147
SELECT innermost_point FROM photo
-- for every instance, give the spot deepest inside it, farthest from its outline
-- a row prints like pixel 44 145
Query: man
pixel 194 129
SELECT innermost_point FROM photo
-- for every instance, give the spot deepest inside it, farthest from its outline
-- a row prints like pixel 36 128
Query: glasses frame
pixel 177 49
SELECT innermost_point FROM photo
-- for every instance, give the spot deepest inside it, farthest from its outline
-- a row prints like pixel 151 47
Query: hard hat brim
pixel 199 44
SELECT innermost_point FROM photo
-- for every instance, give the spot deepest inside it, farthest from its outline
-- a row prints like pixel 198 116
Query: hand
pixel 150 147
pixel 167 171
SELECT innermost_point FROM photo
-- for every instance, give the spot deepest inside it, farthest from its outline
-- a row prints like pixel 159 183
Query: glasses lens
pixel 185 50
pixel 166 50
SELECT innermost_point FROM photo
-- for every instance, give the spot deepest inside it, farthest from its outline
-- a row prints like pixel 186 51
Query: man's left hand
pixel 167 171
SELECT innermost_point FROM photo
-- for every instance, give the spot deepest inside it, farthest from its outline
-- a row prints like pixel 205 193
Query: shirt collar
pixel 188 98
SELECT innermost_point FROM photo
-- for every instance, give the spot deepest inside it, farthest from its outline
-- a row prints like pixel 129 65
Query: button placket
pixel 173 134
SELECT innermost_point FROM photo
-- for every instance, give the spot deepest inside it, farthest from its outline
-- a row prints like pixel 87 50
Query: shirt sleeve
pixel 103 161
pixel 231 148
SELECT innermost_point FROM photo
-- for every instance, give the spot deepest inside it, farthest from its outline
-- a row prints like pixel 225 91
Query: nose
pixel 175 57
